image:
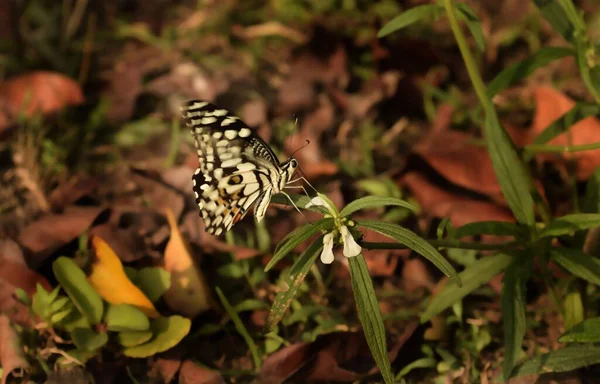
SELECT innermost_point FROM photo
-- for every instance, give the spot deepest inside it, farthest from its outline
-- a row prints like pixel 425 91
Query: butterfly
pixel 237 168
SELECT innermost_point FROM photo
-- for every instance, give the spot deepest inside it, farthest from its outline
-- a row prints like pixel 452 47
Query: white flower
pixel 327 253
pixel 351 248
pixel 316 202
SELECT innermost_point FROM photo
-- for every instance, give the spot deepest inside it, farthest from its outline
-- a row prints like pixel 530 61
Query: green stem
pixel 472 68
pixel 446 244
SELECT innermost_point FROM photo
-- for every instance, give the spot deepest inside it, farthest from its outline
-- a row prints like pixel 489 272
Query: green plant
pixel 532 240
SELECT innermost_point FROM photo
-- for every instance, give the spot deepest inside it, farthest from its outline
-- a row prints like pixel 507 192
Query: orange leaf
pixel 189 293
pixel 109 279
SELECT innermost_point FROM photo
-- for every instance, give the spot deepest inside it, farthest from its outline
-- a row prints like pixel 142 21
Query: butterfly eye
pixel 293 163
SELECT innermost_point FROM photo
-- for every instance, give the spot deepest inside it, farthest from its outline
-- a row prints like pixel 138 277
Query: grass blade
pixel 513 303
pixel 465 13
pixel 370 202
pixel 473 276
pixel 408 17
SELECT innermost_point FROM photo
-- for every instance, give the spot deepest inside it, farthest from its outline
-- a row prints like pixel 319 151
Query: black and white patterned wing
pixel 236 167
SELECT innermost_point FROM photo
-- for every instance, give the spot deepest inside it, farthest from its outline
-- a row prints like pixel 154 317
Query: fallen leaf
pixel 74 189
pixel 39 92
pixel 12 356
pixel 192 373
pixel 460 210
pixel 552 104
pixel 108 278
pixel 189 293
pixel 416 275
pixel 49 233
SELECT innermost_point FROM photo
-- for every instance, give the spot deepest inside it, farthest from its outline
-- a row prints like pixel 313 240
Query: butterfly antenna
pixel 293 130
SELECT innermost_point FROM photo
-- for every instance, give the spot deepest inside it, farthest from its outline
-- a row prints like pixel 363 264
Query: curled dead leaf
pixel 12 356
pixel 189 293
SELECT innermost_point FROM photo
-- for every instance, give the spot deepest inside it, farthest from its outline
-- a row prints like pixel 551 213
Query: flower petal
pixel 316 202
pixel 327 253
pixel 351 247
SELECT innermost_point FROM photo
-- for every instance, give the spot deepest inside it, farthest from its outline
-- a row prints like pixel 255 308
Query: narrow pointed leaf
pixel 588 331
pixel 409 17
pixel 414 242
pixel 579 263
pixel 566 359
pixel 370 202
pixel 370 315
pixel 474 276
pixel 465 13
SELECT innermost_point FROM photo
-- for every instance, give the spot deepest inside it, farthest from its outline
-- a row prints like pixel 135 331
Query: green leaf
pixel 588 331
pixel 465 13
pixel 88 339
pixel 497 228
pixel 153 282
pixel 76 356
pixel 370 315
pixel 473 277
pixel 513 303
pixel 409 17
pixel 250 305
pixel 524 68
pixel 424 362
pixel 125 317
pixel 290 283
pixel 295 238
pixel 370 202
pixel 414 242
pixel 578 263
pixel 591 201
pixel 240 327
pixel 22 296
pixel 133 338
pixel 569 224
pixel 167 332
pixel 59 316
pixel 513 179
pixel 556 16
pixel 566 359
pixel 73 280
pixel 574 312
pixel 562 124
pixel 300 200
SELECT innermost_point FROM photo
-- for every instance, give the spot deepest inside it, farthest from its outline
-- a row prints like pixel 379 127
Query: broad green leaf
pixel 513 303
pixel 409 17
pixel 133 338
pixel 240 327
pixel 290 283
pixel 555 14
pixel 497 228
pixel 566 359
pixel 569 224
pixel 73 280
pixel 370 315
pixel 295 238
pixel 473 277
pixel 524 68
pixel 562 124
pixel 513 179
pixel 370 202
pixel 153 281
pixel 588 331
pixel 574 312
pixel 414 242
pixel 88 339
pixel 125 317
pixel 578 263
pixel 466 14
pixel 167 332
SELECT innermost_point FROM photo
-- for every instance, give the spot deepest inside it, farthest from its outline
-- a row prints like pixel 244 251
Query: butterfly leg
pixel 296 187
pixel 291 201
pixel 306 181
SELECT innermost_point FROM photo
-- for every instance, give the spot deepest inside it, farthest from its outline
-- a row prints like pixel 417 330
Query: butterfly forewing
pixel 236 167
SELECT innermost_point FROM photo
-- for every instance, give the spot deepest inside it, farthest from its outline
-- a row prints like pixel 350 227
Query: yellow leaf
pixel 109 279
pixel 189 293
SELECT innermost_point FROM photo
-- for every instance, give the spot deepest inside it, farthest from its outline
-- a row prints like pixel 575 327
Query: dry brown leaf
pixel 53 231
pixel 460 210
pixel 189 293
pixel 551 104
pixel 192 373
pixel 12 356
pixel 416 275
pixel 39 92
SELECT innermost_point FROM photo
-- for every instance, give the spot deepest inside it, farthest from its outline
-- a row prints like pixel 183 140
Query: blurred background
pixel 91 143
